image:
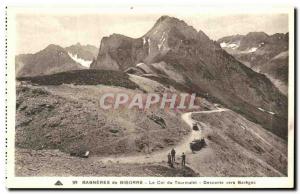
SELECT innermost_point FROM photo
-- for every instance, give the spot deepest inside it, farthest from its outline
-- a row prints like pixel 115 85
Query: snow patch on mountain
pixel 261 44
pixel 272 113
pixel 139 64
pixel 149 43
pixel 81 61
pixel 162 40
pixel 229 45
pixel 263 110
pixel 251 50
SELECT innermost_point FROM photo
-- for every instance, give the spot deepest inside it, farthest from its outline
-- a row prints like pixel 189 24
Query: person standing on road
pixel 169 159
pixel 173 152
pixel 183 159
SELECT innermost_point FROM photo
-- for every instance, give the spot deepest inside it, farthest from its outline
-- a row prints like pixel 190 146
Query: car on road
pixel 196 127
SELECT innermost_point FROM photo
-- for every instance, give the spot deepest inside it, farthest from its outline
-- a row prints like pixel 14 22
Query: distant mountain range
pixel 263 53
pixel 55 59
pixel 172 52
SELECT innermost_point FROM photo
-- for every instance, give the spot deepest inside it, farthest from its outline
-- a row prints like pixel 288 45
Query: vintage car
pixel 195 127
pixel 197 145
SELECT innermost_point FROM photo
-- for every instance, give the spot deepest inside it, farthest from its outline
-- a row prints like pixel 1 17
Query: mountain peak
pixel 168 20
pixel 51 59
pixel 257 34
pixel 53 47
pixel 171 25
pixel 116 36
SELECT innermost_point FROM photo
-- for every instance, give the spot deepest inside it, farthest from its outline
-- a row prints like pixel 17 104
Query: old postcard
pixel 150 97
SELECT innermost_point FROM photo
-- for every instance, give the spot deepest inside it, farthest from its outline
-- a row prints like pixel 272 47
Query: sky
pixel 36 31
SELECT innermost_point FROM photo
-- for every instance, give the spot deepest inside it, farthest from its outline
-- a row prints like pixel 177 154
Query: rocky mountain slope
pixel 173 50
pixel 263 53
pixel 50 60
pixel 55 119
pixel 69 118
pixel 231 140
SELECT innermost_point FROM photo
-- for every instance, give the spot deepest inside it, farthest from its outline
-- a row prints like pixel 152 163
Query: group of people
pixel 171 158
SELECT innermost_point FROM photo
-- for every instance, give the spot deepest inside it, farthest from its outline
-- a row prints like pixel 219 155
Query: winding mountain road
pixel 183 146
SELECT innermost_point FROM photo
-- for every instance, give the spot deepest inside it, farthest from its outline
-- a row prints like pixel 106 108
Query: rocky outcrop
pixel 118 52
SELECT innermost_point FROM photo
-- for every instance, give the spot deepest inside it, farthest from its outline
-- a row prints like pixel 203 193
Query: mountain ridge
pixel 54 59
pixel 51 59
pixel 174 49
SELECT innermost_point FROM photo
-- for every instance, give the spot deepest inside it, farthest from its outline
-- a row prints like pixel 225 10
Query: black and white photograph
pixel 120 98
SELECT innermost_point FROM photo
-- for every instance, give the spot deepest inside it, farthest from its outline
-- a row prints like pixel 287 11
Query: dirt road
pixel 161 156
